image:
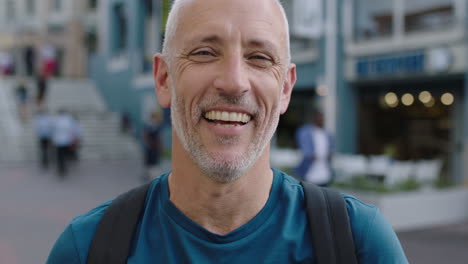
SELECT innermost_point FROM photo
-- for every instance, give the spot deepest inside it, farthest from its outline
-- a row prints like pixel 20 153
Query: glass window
pixel 426 15
pixel 149 35
pixel 57 5
pixel 30 7
pixel 10 11
pixel 373 19
pixel 120 30
pixel 298 27
pixel 92 4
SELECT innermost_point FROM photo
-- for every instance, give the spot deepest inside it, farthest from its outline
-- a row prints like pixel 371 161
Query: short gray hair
pixel 172 24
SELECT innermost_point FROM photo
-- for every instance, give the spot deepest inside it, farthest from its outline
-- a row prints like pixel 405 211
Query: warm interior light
pixel 447 99
pixel 391 99
pixel 431 102
pixel 407 99
pixel 425 97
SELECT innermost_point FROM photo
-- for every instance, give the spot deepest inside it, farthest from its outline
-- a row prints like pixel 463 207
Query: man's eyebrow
pixel 262 44
pixel 209 39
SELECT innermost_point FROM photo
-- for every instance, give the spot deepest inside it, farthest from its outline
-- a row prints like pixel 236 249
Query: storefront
pixel 410 107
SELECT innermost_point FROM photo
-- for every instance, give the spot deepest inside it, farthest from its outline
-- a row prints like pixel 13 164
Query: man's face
pixel 230 80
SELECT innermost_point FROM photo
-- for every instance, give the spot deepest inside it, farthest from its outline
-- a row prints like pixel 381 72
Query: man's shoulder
pixel 91 217
pixel 357 207
pixel 73 244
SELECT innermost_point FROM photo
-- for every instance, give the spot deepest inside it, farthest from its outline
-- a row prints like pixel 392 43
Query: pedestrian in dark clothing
pixel 125 123
pixel 29 58
pixel 43 125
pixel 62 138
pixel 41 89
pixel 152 145
pixel 22 97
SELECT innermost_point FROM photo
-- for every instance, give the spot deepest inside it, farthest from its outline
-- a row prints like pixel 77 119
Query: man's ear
pixel 288 85
pixel 161 80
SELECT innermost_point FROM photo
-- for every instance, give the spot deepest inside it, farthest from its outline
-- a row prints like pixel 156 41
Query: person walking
pixel 62 138
pixel 316 145
pixel 22 99
pixel 225 72
pixel 43 124
pixel 41 84
pixel 152 145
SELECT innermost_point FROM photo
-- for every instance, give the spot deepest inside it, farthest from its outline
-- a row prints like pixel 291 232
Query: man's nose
pixel 233 77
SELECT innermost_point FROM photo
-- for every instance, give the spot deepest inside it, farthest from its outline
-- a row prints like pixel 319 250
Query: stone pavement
pixel 35 207
pixel 444 244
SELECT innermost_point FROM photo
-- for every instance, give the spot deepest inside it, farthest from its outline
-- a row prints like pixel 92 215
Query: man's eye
pixel 261 61
pixel 202 53
pixel 260 57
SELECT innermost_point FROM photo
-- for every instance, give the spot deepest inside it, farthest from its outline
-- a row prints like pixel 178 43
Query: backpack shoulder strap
pixel 114 234
pixel 332 237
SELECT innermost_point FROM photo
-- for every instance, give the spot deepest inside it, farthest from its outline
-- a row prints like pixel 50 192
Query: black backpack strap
pixel 332 238
pixel 114 234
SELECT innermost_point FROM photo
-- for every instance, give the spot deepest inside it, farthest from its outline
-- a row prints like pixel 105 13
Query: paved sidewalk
pixel 36 206
pixel 439 245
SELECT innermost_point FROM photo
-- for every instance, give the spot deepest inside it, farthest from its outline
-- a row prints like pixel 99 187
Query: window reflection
pixel 424 15
pixel 373 19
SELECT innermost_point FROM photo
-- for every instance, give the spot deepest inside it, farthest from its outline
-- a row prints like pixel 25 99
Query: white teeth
pixel 228 116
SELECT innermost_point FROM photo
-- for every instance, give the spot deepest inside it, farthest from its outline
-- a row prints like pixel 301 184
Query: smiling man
pixel 226 74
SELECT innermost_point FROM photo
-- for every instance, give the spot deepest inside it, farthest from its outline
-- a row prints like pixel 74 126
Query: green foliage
pixel 374 183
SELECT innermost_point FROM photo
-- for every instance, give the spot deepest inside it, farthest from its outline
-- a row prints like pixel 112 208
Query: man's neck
pixel 220 207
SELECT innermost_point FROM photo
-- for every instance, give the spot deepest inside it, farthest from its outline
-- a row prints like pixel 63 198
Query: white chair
pixel 347 166
pixel 378 165
pixel 427 171
pixel 398 172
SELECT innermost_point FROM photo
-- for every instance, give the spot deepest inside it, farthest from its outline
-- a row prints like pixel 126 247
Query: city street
pixel 36 206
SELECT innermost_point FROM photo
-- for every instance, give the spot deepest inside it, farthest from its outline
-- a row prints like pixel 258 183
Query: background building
pixel 31 30
pixel 405 65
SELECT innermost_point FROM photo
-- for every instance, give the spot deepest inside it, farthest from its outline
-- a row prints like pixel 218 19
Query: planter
pixel 419 209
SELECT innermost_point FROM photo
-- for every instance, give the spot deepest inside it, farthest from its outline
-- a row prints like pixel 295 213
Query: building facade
pixel 65 30
pixel 405 63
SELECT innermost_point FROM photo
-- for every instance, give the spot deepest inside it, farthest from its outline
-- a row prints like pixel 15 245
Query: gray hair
pixel 172 25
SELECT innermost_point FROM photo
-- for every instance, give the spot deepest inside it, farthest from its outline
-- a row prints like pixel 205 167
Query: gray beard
pixel 214 166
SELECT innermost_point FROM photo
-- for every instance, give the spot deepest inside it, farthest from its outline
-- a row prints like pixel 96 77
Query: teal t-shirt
pixel 278 234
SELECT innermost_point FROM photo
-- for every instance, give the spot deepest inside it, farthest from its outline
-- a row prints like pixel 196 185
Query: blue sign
pixel 390 65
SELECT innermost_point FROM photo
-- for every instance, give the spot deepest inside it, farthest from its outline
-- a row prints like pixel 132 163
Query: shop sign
pixel 391 65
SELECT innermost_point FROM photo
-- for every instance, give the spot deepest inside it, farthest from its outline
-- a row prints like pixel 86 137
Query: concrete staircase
pixel 101 140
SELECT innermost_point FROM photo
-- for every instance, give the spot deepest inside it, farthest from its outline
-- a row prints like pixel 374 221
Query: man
pixel 226 75
pixel 152 146
pixel 316 146
pixel 43 124
pixel 63 135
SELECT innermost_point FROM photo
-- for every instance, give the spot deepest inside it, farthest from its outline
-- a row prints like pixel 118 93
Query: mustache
pixel 240 101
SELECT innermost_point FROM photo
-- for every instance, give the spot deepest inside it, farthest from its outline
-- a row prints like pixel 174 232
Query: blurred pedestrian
pixel 22 100
pixel 316 146
pixel 41 84
pixel 77 141
pixel 125 123
pixel 152 145
pixel 30 60
pixel 6 64
pixel 43 124
pixel 49 60
pixel 62 139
